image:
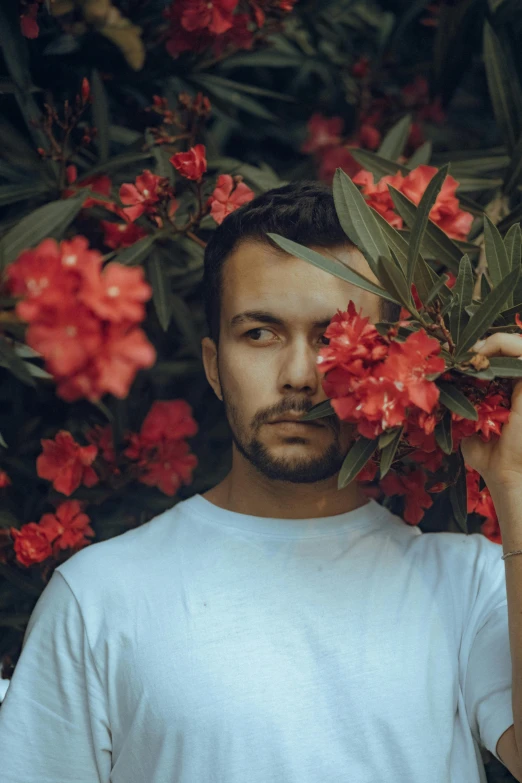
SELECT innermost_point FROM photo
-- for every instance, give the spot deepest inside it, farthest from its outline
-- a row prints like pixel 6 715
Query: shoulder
pixel 121 558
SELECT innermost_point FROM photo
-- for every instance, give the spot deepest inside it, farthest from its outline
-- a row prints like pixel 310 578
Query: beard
pixel 305 470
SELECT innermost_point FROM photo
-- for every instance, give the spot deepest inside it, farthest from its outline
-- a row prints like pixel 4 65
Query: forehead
pixel 257 276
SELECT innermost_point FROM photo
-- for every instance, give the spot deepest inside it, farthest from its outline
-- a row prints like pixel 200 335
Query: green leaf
pixel 319 411
pixel 355 460
pixel 509 315
pixel 252 89
pixel 10 194
pixel 486 314
pixel 463 291
pixel 100 115
pixel 388 453
pixel 335 268
pixel 420 222
pixel 2 441
pixel 227 98
pixel 160 295
pixel 16 365
pixel 458 496
pixel 435 290
pixel 184 320
pixel 136 253
pixel 496 256
pixel 421 156
pixel 388 436
pixel 357 219
pixel 392 146
pixel 51 220
pixel 443 434
pixel 379 167
pixel 512 243
pixel 504 89
pixel 456 401
pixel 505 367
pixel 394 281
pixel 435 243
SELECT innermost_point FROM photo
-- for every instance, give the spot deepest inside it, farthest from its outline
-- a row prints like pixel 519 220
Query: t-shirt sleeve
pixel 485 649
pixel 53 720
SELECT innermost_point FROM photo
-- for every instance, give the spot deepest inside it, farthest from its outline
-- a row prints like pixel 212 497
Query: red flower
pixel 67 528
pixel 333 158
pixel 369 137
pixel 142 196
pixel 85 90
pixel 214 15
pixel 408 364
pixel 168 420
pixel 493 411
pixel 5 481
pixel 31 544
pixel 412 486
pixel 118 235
pixel 28 24
pixel 98 183
pixel 171 466
pixel 322 132
pixel 445 212
pixel 66 338
pixel 191 164
pixel 518 320
pixel 101 437
pixel 117 294
pixel 66 463
pixel 361 67
pixel 179 39
pixel 240 36
pixel 226 198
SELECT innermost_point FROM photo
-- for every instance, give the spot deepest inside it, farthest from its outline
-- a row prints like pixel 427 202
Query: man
pixel 274 628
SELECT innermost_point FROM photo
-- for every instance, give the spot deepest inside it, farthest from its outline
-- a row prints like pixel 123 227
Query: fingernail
pixel 478 345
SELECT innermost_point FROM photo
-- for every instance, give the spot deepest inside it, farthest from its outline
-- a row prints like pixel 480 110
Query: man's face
pixel 266 368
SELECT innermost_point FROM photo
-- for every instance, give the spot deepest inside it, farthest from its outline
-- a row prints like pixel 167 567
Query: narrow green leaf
pixel 485 287
pixel 456 401
pixel 378 166
pixel 512 243
pixel 319 411
pixel 329 265
pixel 496 255
pixel 435 290
pixel 357 219
pixel 505 367
pixel 388 453
pixel 443 434
pixel 421 156
pixel 100 115
pixel 436 243
pixel 509 315
pixel 392 146
pixel 136 253
pixel 388 436
pixel 486 314
pixel 459 496
pixel 394 281
pixel 355 460
pixel 51 220
pixel 420 222
pixel 2 441
pixel 160 295
pixel 14 363
pixel 463 292
pixel 11 194
pixel 503 87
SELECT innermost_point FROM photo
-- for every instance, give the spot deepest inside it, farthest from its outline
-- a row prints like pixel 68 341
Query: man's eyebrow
pixel 269 318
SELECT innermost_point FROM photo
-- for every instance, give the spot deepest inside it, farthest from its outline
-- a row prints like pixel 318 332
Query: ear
pixel 209 356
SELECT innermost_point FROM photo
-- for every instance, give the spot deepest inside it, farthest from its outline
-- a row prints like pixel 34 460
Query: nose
pixel 299 370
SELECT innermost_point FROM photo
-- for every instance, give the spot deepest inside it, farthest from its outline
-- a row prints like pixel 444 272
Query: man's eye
pixel 253 331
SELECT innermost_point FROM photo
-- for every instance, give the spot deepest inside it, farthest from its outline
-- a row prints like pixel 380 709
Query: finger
pixel 500 343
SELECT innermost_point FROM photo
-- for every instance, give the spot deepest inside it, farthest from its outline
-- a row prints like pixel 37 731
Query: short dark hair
pixel 303 211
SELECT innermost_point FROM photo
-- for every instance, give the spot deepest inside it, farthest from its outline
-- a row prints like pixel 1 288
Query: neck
pixel 246 491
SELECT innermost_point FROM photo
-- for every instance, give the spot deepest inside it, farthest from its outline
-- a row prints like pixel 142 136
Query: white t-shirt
pixel 208 646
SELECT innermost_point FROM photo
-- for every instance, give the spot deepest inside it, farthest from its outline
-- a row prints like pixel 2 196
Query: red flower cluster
pixel 325 143
pixel 197 25
pixel 446 212
pixel 160 450
pixel 479 501
pixel 67 528
pixel 229 194
pixel 82 318
pixel 374 380
pixel 378 383
pixel 191 164
pixel 66 463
